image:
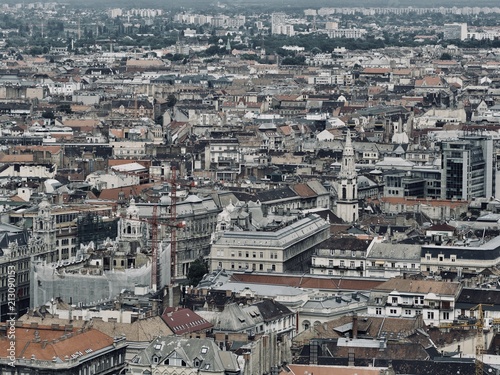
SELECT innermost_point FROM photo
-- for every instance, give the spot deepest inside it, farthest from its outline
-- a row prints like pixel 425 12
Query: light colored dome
pixel 44 204
pixel 166 200
pixel 132 210
pixel 193 199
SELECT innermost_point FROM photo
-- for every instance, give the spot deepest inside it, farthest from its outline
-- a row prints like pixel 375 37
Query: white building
pixel 101 180
pixel 347 202
pixel 406 298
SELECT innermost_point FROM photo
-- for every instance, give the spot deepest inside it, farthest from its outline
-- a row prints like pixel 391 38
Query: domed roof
pixel 193 199
pixel 166 200
pixel 44 204
pixel 132 210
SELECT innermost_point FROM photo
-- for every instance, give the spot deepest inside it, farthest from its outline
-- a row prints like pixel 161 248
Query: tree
pixel 446 56
pixel 196 271
pixel 171 100
pixel 48 115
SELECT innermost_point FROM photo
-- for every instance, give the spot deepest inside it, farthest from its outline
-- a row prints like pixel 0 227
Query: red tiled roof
pixel 128 191
pixel 26 158
pixel 441 228
pixel 328 370
pixel 182 321
pixel 307 281
pixel 45 343
pixel 303 190
pixel 429 202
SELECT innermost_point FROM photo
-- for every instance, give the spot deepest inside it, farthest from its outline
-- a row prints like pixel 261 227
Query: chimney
pixel 354 326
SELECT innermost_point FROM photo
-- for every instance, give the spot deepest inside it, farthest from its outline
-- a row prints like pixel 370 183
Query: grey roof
pixel 280 238
pixel 276 194
pixel 334 302
pixel 262 290
pixel 236 319
pixel 390 251
pixel 202 354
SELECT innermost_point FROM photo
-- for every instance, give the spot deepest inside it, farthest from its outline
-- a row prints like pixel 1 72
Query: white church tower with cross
pixel 347 185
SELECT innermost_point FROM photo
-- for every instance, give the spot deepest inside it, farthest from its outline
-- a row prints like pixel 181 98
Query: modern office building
pixel 467 168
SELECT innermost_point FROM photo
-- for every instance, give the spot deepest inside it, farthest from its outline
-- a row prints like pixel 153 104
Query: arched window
pixel 129 229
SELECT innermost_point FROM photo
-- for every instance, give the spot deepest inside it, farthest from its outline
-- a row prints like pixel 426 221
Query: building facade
pixel 286 249
pixel 467 168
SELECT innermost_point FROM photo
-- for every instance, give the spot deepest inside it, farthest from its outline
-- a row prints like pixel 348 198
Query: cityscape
pixel 249 188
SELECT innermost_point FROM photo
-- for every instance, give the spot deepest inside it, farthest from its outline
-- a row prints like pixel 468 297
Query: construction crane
pixel 478 323
pixel 171 222
pixel 173 237
pixel 479 337
pixel 154 249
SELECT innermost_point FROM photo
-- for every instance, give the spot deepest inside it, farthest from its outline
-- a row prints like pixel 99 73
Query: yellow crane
pixel 479 325
pixel 479 337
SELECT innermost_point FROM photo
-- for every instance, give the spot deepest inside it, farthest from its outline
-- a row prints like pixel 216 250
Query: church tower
pixel 44 227
pixel 347 187
pixel 131 229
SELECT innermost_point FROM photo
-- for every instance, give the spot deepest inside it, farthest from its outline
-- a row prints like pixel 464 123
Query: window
pixel 330 263
pixel 430 314
pixel 262 254
pixel 342 263
pixel 378 311
pixel 393 311
pixel 352 264
pixel 427 257
pixel 394 299
pixel 407 312
pixel 446 315
pixel 353 253
pixel 453 258
pixel 441 258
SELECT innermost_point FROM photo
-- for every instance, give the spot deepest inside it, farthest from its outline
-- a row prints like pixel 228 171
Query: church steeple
pixel 347 185
pixel 348 167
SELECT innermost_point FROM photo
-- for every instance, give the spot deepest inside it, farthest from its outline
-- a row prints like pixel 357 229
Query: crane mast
pixel 173 236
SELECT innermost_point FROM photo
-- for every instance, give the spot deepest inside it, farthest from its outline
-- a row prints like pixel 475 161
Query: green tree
pixel 446 56
pixel 171 100
pixel 196 271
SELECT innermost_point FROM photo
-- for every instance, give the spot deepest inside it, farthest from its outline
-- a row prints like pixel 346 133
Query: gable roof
pixel 55 343
pixel 182 321
pixel 307 282
pixel 419 286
